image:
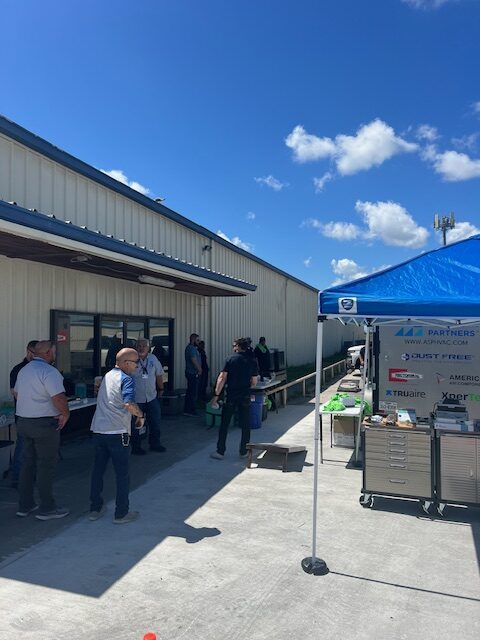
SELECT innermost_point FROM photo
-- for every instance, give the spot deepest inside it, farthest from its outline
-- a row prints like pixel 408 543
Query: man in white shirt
pixel 148 377
pixel 111 428
pixel 42 412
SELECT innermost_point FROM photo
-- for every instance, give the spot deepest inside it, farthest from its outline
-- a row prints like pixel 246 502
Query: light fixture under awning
pixel 157 282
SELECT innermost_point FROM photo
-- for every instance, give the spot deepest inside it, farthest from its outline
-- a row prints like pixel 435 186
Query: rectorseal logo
pixel 403 375
pixel 347 305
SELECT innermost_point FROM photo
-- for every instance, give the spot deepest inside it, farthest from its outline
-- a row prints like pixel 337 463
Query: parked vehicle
pixel 353 356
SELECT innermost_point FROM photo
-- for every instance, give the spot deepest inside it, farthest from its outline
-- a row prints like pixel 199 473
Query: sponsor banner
pixel 420 366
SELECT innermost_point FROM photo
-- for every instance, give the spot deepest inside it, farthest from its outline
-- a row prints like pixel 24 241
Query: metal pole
pixel 312 564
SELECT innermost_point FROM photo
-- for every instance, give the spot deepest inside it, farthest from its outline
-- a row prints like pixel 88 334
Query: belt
pixel 37 417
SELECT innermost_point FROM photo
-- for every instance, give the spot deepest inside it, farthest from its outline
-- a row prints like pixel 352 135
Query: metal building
pixel 87 260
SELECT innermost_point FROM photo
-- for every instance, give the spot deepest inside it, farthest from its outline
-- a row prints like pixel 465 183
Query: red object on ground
pixel 150 636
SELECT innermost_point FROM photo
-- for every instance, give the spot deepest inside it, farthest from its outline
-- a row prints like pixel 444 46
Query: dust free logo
pixel 403 375
pixel 410 332
pixel 348 305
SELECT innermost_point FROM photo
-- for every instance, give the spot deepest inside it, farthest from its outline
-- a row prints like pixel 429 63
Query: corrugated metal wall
pixel 281 309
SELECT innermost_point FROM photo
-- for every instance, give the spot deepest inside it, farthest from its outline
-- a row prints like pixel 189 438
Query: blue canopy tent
pixel 440 287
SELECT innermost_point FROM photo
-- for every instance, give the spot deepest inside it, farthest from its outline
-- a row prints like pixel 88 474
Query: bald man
pixel 42 412
pixel 111 427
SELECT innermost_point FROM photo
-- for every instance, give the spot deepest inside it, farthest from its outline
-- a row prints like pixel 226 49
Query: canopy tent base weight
pixel 317 566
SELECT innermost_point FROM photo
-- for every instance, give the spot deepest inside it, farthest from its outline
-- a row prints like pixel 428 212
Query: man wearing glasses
pixel 111 427
pixel 16 464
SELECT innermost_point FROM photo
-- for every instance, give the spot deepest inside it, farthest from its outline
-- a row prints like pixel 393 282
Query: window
pixel 87 344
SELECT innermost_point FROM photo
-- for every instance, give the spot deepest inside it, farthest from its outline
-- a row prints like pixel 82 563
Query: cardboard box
pixel 343 429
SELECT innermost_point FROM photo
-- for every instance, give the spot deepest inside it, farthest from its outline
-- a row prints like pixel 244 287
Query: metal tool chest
pixel 398 462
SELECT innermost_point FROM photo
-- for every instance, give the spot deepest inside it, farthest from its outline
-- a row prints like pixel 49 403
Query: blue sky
pixel 321 136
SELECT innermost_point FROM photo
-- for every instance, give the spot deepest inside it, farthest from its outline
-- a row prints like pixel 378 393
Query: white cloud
pixel 271 182
pixel 320 183
pixel 117 174
pixel 455 167
pixel 348 270
pixel 476 107
pixel 251 216
pixel 307 147
pixel 426 132
pixel 308 262
pixel 426 4
pixel 236 241
pixel 341 230
pixel 312 223
pixel 391 223
pixel 466 142
pixel 461 231
pixel 373 144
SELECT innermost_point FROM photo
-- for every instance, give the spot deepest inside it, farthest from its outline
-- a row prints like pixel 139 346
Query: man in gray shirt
pixel 42 412
pixel 111 428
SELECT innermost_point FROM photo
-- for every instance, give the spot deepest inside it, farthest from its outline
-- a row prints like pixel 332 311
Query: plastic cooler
pixel 256 408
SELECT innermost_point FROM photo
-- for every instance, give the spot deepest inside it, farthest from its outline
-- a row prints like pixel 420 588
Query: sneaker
pixel 138 451
pixel 24 513
pixel 158 448
pixel 243 455
pixel 130 517
pixel 217 456
pixel 55 514
pixel 96 515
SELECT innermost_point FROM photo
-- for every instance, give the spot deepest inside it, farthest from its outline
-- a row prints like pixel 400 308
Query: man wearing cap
pixel 148 378
pixel 111 428
pixel 42 412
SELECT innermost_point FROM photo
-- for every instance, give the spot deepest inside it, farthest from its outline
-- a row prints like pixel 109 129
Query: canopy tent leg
pixel 312 564
pixel 366 365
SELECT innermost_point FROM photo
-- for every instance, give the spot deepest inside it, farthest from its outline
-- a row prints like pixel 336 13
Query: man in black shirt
pixel 18 454
pixel 239 374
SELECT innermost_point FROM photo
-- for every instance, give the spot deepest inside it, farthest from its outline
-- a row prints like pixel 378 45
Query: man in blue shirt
pixel 148 378
pixel 111 427
pixel 193 371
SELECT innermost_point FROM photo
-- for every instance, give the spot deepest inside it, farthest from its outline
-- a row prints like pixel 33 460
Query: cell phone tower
pixel 444 223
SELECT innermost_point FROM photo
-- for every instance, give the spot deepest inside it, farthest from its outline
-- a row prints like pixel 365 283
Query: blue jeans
pixel 17 459
pixel 192 392
pixel 153 417
pixel 111 446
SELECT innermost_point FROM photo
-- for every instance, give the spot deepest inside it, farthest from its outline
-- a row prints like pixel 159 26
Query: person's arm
pixel 221 382
pixel 128 396
pixel 60 403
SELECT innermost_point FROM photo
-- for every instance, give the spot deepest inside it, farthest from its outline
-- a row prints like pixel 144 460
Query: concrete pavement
pixel 216 554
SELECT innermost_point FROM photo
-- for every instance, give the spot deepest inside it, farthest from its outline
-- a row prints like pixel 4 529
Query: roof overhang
pixel 36 237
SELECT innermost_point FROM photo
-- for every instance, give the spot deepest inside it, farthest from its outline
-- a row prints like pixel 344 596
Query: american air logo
pixel 347 305
pixel 403 375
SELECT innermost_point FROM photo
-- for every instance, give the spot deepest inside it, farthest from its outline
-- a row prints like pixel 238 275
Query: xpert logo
pixel 403 375
pixel 410 332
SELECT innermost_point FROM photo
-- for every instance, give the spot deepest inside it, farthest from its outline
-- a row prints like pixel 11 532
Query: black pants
pixel 192 393
pixel 116 447
pixel 41 440
pixel 243 406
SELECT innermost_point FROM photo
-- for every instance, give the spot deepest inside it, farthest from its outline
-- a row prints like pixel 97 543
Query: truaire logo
pixel 410 332
pixel 403 375
pixel 404 394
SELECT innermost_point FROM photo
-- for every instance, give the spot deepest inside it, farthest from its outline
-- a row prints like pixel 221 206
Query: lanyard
pixel 144 367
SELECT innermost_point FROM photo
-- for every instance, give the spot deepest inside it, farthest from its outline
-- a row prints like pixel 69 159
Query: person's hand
pixel 62 421
pixel 139 422
pixel 214 403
